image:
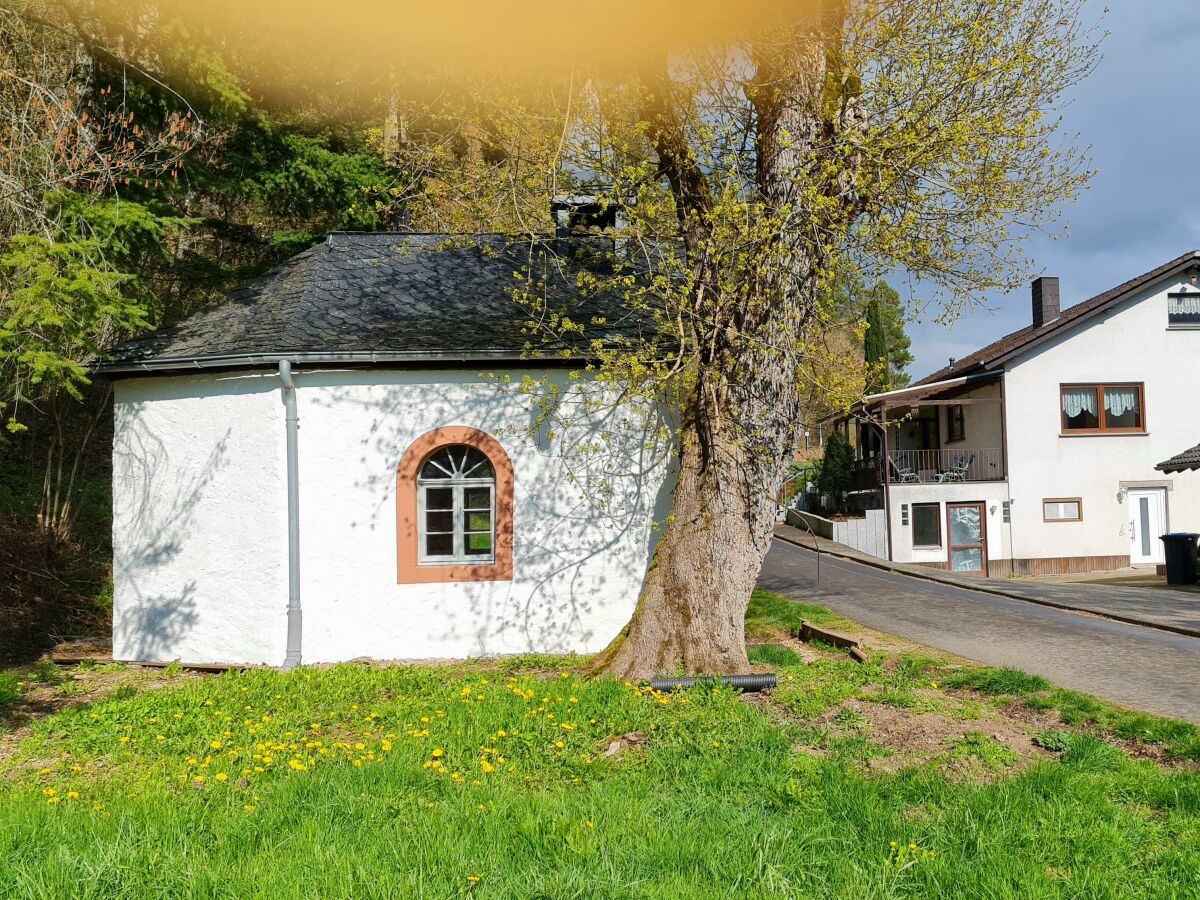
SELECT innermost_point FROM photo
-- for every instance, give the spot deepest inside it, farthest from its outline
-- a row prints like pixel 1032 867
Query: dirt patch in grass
pixel 914 737
pixel 48 690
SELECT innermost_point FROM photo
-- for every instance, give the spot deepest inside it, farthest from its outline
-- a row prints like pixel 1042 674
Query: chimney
pixel 1045 301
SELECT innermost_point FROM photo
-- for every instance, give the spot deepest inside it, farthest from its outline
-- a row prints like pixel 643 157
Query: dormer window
pixel 1183 310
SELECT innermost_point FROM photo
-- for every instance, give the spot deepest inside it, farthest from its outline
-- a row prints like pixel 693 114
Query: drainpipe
pixel 293 495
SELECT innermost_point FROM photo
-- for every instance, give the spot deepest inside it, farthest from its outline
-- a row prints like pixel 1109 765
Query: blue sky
pixel 1138 113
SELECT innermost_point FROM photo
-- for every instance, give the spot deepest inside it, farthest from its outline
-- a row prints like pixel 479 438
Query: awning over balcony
pixel 919 393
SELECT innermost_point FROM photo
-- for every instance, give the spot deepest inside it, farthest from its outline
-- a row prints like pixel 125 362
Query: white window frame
pixel 458 486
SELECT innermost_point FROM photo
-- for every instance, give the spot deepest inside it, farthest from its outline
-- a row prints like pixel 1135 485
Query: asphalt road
pixel 1139 667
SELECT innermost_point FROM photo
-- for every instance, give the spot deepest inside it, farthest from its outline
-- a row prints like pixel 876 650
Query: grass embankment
pixel 497 779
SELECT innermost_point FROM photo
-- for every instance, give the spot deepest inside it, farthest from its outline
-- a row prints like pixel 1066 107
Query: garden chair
pixel 903 474
pixel 958 471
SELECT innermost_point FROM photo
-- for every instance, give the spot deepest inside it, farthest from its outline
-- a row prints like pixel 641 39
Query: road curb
pixel 886 566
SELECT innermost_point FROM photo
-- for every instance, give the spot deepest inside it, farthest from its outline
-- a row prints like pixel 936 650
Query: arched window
pixel 456 507
pixel 454 501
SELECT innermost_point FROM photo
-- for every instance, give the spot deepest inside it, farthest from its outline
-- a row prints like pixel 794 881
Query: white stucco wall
pixel 582 525
pixel 199 520
pixel 1130 343
pixel 991 493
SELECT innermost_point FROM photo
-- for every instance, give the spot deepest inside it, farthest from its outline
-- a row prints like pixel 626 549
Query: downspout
pixel 887 481
pixel 292 659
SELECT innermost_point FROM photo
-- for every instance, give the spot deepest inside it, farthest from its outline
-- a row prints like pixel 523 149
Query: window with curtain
pixel 456 494
pixel 1183 310
pixel 1102 407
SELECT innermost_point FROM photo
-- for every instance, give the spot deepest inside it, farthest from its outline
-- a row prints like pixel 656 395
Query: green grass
pixel 1181 739
pixel 772 615
pixel 490 780
pixel 10 690
pixel 714 804
pixel 998 681
pixel 773 655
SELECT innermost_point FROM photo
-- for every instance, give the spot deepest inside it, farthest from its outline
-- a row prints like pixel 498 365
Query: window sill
pixel 1103 434
pixel 1183 328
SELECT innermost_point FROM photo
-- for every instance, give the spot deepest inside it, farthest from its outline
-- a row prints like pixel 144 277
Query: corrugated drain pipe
pixel 293 497
pixel 746 683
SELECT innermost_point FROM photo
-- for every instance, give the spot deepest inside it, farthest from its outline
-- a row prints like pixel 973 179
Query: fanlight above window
pixel 457 462
pixel 456 497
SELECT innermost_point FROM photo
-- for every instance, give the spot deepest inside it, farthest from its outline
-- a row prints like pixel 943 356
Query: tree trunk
pixel 690 616
pixel 740 428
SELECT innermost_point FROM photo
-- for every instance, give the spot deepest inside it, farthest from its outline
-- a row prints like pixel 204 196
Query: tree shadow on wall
pixel 584 516
pixel 154 506
pixel 151 627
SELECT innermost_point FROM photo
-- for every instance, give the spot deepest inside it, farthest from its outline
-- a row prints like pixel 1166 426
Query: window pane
pixel 1081 408
pixel 1063 510
pixel 927 528
pixel 479 544
pixel 477 465
pixel 479 521
pixel 439 545
pixel 1122 407
pixel 439 498
pixel 478 498
pixel 966 560
pixel 439 521
pixel 966 526
pixel 439 465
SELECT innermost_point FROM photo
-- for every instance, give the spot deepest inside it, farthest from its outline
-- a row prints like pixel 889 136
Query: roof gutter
pixel 260 360
pixel 294 617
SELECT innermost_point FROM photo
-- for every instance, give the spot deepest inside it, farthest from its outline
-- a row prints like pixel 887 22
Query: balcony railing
pixel 946 466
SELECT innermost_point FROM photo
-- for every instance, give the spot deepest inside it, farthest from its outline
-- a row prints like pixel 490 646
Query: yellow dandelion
pixel 221 776
pixel 216 745
pixel 437 752
pixel 72 795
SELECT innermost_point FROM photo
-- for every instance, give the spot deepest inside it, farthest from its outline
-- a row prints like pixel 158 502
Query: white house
pixel 1037 454
pixel 333 462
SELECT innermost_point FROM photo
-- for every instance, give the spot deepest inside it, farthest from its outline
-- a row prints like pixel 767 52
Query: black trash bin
pixel 1180 550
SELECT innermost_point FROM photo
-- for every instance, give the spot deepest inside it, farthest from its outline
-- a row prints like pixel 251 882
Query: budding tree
pixel 853 138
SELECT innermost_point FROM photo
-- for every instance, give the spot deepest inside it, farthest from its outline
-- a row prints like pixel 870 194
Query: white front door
pixel 1147 509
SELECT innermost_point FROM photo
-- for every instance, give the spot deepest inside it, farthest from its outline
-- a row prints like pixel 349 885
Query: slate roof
pixel 387 297
pixel 1027 337
pixel 1188 459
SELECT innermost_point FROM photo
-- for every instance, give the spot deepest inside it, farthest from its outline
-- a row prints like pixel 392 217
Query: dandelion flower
pixel 221 776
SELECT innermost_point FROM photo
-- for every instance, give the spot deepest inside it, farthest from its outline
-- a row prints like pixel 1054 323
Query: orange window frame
pixel 408 568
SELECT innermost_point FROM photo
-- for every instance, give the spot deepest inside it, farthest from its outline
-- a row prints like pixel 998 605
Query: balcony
pixel 946 466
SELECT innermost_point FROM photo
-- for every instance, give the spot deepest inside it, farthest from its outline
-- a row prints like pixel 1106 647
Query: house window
pixel 955 423
pixel 927 525
pixel 1068 509
pixel 1183 310
pixel 454 509
pixel 456 494
pixel 1093 408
